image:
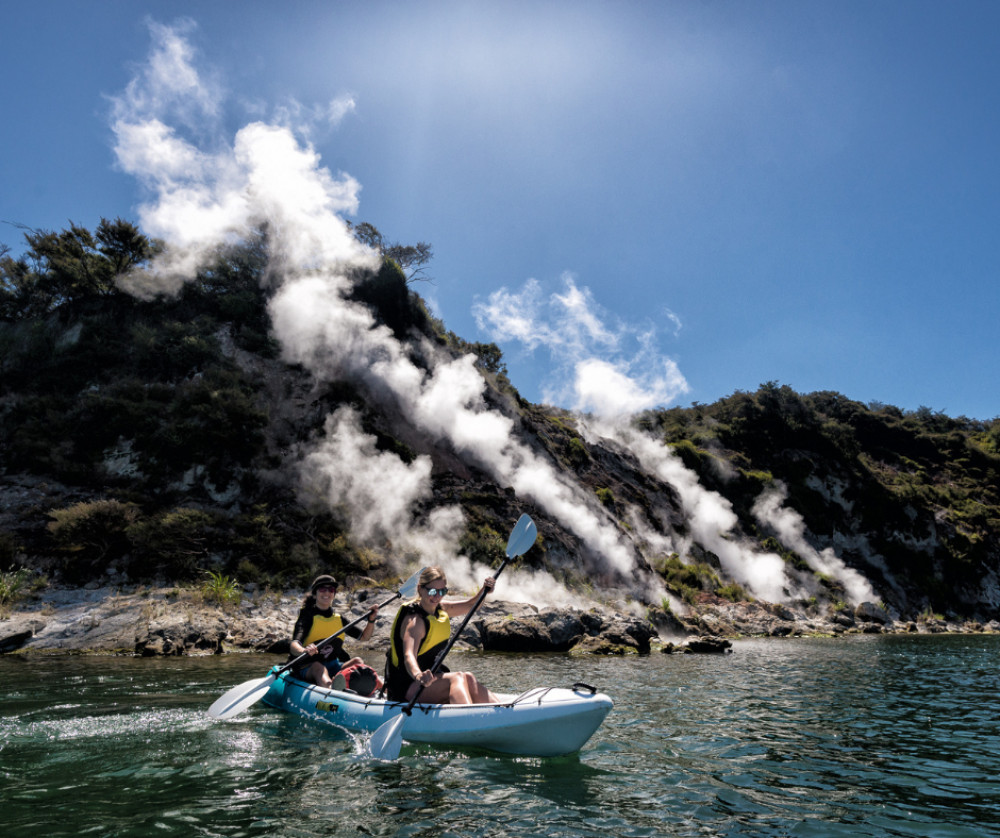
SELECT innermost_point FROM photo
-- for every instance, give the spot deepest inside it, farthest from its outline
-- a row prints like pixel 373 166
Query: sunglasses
pixel 436 591
pixel 326 589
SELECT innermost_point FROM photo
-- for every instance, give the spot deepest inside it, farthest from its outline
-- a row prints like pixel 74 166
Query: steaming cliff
pixel 155 440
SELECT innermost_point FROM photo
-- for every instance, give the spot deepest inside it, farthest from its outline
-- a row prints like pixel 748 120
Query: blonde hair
pixel 429 574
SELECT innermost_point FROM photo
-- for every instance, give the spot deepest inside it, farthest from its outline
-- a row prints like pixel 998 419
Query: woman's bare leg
pixel 478 693
pixel 319 675
pixel 450 688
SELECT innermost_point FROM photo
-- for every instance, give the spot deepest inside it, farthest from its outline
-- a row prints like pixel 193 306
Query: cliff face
pixel 156 441
pixel 911 501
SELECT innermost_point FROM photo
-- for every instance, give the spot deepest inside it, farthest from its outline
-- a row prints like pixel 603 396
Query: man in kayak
pixel 420 631
pixel 316 622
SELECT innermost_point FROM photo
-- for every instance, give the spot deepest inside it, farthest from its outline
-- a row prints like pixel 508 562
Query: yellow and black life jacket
pixel 322 627
pixel 314 625
pixel 437 635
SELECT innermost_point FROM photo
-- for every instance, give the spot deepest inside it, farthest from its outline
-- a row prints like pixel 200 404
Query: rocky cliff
pixel 260 430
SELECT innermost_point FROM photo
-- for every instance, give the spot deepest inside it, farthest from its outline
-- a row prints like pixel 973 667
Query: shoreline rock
pixel 177 621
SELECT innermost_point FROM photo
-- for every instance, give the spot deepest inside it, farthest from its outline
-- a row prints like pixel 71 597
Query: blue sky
pixel 699 197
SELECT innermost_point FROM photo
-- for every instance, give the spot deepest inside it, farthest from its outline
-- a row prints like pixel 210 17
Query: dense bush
pixel 688 580
pixel 90 536
pixel 481 543
pixel 175 543
pixel 386 293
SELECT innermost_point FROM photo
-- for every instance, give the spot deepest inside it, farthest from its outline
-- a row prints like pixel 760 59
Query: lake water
pixel 862 736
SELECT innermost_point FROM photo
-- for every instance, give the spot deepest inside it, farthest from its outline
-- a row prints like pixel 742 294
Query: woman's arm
pixel 412 636
pixel 302 626
pixel 460 607
pixel 370 625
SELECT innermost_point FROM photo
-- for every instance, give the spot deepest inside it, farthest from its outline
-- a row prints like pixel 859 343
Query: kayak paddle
pixel 240 697
pixel 388 739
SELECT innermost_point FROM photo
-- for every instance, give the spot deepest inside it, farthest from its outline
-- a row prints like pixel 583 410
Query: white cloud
pixel 580 324
pixel 305 120
pixel 607 370
pixel 339 108
pixel 169 82
pixel 508 316
pixel 674 321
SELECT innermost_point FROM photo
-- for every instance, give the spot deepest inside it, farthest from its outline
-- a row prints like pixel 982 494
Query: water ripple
pixel 873 736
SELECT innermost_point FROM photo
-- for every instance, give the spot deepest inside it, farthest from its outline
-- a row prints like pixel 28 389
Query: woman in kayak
pixel 316 622
pixel 420 631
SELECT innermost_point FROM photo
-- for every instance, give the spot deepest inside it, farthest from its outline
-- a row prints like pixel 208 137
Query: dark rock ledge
pixel 172 621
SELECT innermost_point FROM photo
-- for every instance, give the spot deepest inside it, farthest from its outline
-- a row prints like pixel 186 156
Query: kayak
pixel 544 721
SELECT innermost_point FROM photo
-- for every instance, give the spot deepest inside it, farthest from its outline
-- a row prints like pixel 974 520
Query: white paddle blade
pixel 522 537
pixel 387 740
pixel 240 697
pixel 409 589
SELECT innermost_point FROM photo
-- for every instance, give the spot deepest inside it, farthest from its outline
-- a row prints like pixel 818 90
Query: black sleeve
pixel 302 626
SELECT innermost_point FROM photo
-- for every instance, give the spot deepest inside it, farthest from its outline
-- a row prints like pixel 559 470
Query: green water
pixel 872 736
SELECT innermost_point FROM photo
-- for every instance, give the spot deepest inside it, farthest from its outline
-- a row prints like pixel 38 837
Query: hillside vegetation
pixel 918 490
pixel 146 440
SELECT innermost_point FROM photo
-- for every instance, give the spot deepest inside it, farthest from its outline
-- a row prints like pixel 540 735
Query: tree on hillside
pixel 412 258
pixel 121 243
pixel 70 266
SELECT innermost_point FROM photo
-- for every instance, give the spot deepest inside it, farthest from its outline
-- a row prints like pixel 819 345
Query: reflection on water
pixel 873 736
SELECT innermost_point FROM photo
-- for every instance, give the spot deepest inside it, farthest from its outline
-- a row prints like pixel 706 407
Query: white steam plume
pixel 571 328
pixel 202 199
pixel 602 381
pixel 376 489
pixel 206 193
pixel 709 516
pixel 207 198
pixel 770 510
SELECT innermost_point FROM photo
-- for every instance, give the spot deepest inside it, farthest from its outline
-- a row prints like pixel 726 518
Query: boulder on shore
pixel 178 621
pixel 563 630
pixel 705 646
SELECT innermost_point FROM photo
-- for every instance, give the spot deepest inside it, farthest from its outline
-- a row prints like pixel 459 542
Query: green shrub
pixel 576 452
pixel 689 580
pixel 386 293
pixel 257 538
pixel 246 569
pixel 689 453
pixel 481 543
pixel 733 592
pixel 92 535
pixel 221 589
pixel 174 543
pixel 13 585
pixel 9 548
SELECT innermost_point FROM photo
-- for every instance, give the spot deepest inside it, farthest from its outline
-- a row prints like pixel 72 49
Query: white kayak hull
pixel 541 722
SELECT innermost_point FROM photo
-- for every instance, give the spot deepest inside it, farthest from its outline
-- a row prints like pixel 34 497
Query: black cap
pixel 325 579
